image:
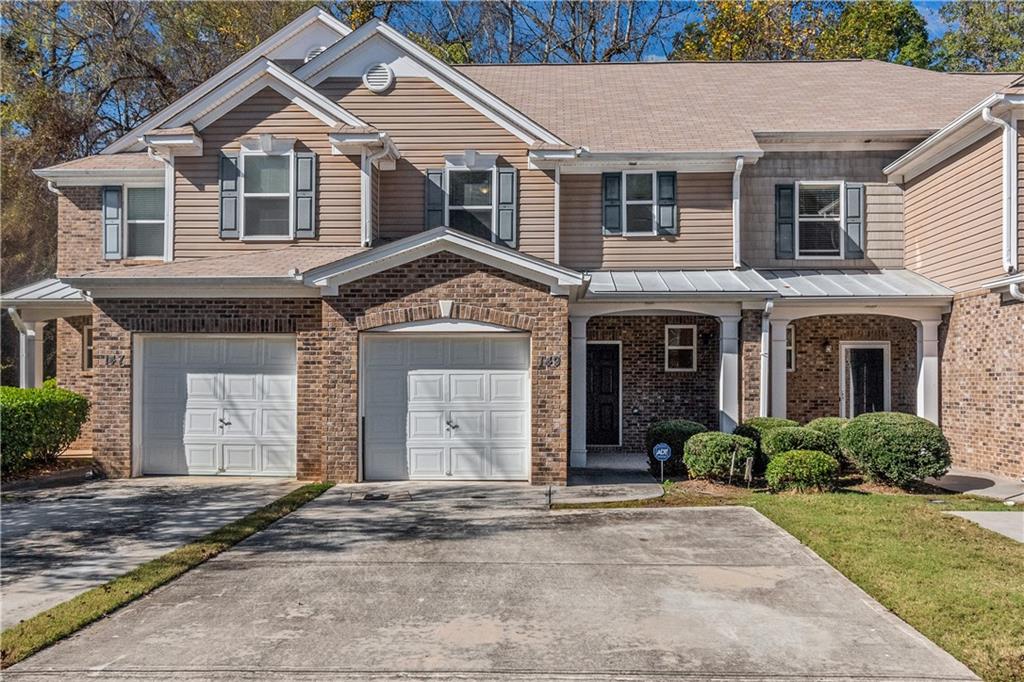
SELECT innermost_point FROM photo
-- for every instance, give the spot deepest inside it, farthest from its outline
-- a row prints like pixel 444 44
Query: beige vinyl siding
pixel 197 193
pixel 953 217
pixel 883 206
pixel 426 122
pixel 705 227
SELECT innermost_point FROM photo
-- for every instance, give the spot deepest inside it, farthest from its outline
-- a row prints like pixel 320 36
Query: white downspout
pixel 736 212
pixel 765 349
pixel 558 211
pixel 1010 263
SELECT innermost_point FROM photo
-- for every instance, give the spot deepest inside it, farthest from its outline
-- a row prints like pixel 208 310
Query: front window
pixel 639 204
pixel 471 201
pixel 680 348
pixel 266 196
pixel 819 220
pixel 144 222
pixel 87 347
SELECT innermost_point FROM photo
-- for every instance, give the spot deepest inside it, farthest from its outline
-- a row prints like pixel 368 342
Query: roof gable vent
pixel 379 78
pixel 314 52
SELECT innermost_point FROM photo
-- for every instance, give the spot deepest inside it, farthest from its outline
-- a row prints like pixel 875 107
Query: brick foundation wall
pixel 117 320
pixel 812 389
pixel 981 348
pixel 70 373
pixel 649 393
pixel 750 364
pixel 480 292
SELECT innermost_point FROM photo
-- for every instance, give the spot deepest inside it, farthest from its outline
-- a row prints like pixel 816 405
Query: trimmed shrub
pixel 756 427
pixel 802 470
pixel 831 427
pixel 787 438
pixel 895 448
pixel 37 424
pixel 675 432
pixel 709 455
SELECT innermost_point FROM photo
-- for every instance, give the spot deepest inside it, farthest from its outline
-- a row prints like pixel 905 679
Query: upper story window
pixel 819 220
pixel 639 204
pixel 144 222
pixel 680 347
pixel 267 195
pixel 471 201
pixel 475 194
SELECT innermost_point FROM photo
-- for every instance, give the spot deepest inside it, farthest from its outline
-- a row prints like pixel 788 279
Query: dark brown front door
pixel 603 394
pixel 867 380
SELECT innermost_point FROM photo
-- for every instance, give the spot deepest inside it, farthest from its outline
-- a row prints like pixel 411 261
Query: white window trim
pixel 242 155
pixel 87 347
pixel 842 217
pixel 693 367
pixel 653 203
pixel 844 347
pixel 790 348
pixel 619 344
pixel 449 167
pixel 128 187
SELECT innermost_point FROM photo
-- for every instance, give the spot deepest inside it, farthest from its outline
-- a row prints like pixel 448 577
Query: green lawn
pixel 53 625
pixel 958 584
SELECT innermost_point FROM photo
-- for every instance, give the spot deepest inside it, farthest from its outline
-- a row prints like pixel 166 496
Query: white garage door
pixel 214 405
pixel 442 408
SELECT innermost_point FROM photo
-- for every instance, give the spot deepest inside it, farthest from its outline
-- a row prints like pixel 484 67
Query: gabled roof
pixel 433 241
pixel 278 40
pixel 716 106
pixel 514 120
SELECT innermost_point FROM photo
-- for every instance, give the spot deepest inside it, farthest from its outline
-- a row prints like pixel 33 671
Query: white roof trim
pixel 459 85
pixel 434 241
pixel 131 138
pixel 85 177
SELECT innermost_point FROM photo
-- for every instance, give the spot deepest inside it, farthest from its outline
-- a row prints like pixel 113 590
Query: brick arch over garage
pixel 433 311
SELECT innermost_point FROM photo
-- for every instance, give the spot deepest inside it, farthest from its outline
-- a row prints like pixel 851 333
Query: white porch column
pixel 30 363
pixel 578 390
pixel 928 369
pixel 777 362
pixel 728 377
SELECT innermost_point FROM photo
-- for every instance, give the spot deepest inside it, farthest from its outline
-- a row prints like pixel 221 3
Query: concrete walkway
pixel 56 543
pixel 1008 523
pixel 481 583
pixel 981 484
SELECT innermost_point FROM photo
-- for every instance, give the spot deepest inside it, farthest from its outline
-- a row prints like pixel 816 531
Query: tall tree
pixel 982 35
pixel 887 30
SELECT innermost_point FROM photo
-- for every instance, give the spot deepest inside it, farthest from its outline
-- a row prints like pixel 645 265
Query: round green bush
pixel 787 438
pixel 711 454
pixel 756 427
pixel 675 432
pixel 831 427
pixel 895 448
pixel 37 424
pixel 802 470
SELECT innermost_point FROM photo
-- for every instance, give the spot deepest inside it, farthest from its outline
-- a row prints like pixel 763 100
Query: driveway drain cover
pixel 376 497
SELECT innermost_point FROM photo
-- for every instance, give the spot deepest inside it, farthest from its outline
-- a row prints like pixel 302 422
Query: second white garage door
pixel 443 408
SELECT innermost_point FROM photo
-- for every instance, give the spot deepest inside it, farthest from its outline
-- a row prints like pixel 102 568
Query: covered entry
pixel 445 407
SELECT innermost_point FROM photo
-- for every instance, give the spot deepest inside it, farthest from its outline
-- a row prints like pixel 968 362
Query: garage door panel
pixel 242 352
pixel 240 423
pixel 467 353
pixel 469 387
pixel 426 387
pixel 508 387
pixel 278 387
pixel 426 353
pixel 426 424
pixel 165 456
pixel 164 385
pixel 511 424
pixel 202 457
pixel 203 353
pixel 239 458
pixel 469 461
pixel 509 354
pixel 508 463
pixel 470 423
pixel 385 353
pixel 427 462
pixel 202 386
pixel 277 422
pixel 277 459
pixel 201 421
pixel 279 352
pixel 241 387
pixel 164 421
pixel 164 353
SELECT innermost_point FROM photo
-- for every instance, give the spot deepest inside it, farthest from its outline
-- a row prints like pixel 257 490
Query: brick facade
pixel 649 393
pixel 79 231
pixel 750 364
pixel 812 389
pixel 982 365
pixel 70 372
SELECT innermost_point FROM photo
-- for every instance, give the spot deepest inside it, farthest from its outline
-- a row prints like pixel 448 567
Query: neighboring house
pixel 341 258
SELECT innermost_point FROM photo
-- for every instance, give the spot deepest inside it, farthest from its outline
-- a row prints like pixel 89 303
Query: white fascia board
pixel 191 287
pixel 958 134
pixel 399 253
pixel 83 177
pixel 451 80
pixel 683 162
pixel 261 74
pixel 131 138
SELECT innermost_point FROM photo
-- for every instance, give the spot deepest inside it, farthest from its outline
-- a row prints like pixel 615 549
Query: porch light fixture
pixel 827 346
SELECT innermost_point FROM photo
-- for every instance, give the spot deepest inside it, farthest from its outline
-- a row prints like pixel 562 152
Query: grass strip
pixel 50 626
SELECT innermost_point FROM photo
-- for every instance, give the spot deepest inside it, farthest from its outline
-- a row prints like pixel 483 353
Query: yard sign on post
pixel 662 453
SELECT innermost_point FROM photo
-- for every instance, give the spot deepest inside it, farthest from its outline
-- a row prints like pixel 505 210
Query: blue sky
pixel 929 9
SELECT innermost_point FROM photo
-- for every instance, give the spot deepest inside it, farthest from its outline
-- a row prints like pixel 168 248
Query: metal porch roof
pixel 49 291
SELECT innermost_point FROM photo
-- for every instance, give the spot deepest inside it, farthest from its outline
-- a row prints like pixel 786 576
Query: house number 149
pixel 546 361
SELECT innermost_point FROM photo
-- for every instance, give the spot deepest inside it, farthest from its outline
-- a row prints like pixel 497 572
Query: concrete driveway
pixel 480 583
pixel 59 542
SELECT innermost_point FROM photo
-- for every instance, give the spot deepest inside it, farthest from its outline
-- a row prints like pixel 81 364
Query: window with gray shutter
pixel 854 224
pixel 506 228
pixel 111 197
pixel 305 195
pixel 434 199
pixel 785 224
pixel 668 223
pixel 611 200
pixel 229 196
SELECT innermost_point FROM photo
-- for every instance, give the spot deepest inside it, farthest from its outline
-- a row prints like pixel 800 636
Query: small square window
pixel 87 347
pixel 680 348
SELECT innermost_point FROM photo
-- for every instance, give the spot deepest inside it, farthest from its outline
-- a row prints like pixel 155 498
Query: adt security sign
pixel 662 453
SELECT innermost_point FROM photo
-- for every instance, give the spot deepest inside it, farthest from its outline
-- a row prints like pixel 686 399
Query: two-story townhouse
pixel 341 258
